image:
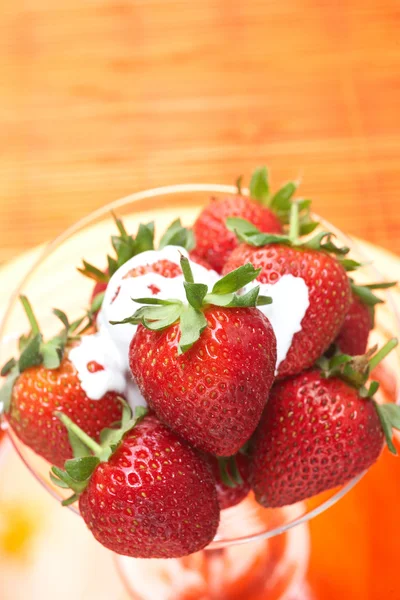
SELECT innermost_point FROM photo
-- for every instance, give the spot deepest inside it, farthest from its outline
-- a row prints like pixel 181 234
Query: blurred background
pixel 104 97
pixel 100 98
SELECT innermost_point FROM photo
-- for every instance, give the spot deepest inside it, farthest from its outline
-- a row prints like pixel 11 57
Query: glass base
pixel 268 569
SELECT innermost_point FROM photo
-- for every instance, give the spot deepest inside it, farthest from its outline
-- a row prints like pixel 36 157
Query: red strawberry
pixel 214 242
pixel 354 333
pixel 154 497
pixel 359 321
pixel 212 395
pixel 325 277
pixel 199 260
pixel 44 380
pixel 232 479
pixel 38 392
pixel 127 246
pixel 207 376
pixel 163 267
pixel 99 287
pixel 317 433
pixel 267 212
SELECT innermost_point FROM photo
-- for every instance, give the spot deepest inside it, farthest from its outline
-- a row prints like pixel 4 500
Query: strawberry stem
pixel 82 436
pixel 30 314
pixel 383 352
pixel 186 269
pixel 294 223
pixel 238 183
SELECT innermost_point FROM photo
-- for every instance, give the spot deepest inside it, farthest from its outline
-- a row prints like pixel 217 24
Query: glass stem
pixel 215 564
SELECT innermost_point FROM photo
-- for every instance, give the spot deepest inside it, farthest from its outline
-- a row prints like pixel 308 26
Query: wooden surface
pixel 105 97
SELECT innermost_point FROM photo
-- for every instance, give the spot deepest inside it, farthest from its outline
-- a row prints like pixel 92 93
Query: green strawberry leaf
pixel 356 369
pixel 235 280
pixel 66 480
pixel 177 235
pixel 192 324
pixel 195 293
pixel 365 293
pixel 7 388
pixel 80 469
pixel 71 500
pixel 251 298
pixel 31 355
pixel 144 239
pixel 112 437
pixel 234 470
pixel 365 392
pixel 247 232
pixel 281 200
pixel 59 482
pixel 51 355
pixel 96 303
pixel 154 301
pixel 10 364
pixel 384 285
pixel 112 266
pixel 389 415
pixel 323 241
pixel 63 317
pixel 241 226
pixel 93 272
pixel 224 473
pixel 79 448
pixel 35 329
pixel 186 269
pixel 158 317
pixel 259 185
pixel 350 265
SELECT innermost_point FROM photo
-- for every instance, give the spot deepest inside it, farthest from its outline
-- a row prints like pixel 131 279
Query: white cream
pixel 109 347
pixel 289 305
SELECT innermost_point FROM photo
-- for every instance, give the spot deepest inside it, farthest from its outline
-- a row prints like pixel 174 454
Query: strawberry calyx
pixel 365 293
pixel 367 297
pixel 323 241
pixel 281 202
pixel 88 453
pixel 356 370
pixel 229 471
pixel 34 351
pixel 127 246
pixel 158 314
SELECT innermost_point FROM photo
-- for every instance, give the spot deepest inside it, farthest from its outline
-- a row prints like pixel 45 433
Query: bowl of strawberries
pixel 200 371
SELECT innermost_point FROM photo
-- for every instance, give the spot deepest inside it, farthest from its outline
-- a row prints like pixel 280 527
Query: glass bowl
pixel 55 282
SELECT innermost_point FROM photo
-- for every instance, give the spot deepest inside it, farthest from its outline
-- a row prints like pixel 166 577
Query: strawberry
pixel 199 260
pixel 359 321
pixel 127 246
pixel 143 492
pixel 44 380
pixel 206 368
pixel 326 279
pixel 215 242
pixel 232 479
pixel 320 429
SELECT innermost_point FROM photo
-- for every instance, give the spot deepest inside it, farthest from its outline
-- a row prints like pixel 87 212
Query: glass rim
pixel 194 188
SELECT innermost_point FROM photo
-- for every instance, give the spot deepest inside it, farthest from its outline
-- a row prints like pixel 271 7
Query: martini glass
pixel 257 552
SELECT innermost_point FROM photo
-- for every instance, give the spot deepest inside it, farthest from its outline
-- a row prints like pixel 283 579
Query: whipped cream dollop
pixel 290 300
pixel 109 347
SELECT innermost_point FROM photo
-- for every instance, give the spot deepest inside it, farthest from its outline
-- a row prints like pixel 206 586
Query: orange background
pixel 104 97
pixel 100 98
